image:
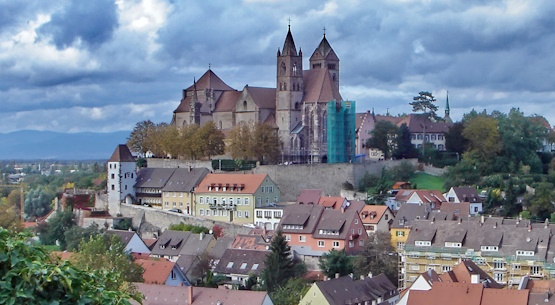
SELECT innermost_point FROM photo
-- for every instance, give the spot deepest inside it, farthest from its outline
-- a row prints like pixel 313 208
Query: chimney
pixel 495 225
pixel 482 219
pixel 342 210
pixel 475 279
pixel 264 231
pixel 337 275
pixel 547 223
pixel 201 235
pixel 190 294
pixel 370 274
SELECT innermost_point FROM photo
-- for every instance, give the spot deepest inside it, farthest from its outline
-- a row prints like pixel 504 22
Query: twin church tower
pixel 297 107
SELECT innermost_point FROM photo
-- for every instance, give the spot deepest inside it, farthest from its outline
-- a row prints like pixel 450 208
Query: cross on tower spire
pixel 289 19
pixel 324 31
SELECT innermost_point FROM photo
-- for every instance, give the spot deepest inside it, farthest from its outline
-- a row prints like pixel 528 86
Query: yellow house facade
pixel 233 197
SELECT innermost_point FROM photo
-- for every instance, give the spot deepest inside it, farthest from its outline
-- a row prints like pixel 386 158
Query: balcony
pixel 228 207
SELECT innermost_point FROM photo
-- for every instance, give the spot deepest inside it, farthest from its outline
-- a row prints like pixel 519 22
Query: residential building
pixel 507 249
pixel 333 202
pixel 345 290
pixel 268 217
pixel 234 197
pixel 121 177
pixel 150 181
pixel 192 251
pixel 238 264
pixel 466 194
pixel 169 244
pixel 312 230
pixel 178 192
pixel 376 218
pixel 309 196
pixel 400 228
pixel 133 243
pixel 162 272
pixel 467 294
pixel 167 295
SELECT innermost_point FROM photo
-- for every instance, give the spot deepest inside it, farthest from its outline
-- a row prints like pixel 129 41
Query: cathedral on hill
pixel 297 108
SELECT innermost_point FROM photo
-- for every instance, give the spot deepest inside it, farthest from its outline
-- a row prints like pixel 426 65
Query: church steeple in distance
pixel 447 117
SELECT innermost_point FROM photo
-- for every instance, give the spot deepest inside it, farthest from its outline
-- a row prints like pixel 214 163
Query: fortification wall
pixel 175 163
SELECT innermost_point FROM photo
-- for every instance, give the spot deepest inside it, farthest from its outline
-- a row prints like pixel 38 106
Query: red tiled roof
pixel 334 202
pixel 122 154
pixel 227 101
pixel 209 80
pixel 251 183
pixel 156 271
pixel 309 196
pixel 378 211
pixel 263 97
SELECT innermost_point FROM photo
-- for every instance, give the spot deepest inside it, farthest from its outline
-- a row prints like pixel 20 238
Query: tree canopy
pixel 336 262
pixel 383 138
pixel 138 140
pixel 378 256
pixel 279 266
pixel 424 102
pixel 261 142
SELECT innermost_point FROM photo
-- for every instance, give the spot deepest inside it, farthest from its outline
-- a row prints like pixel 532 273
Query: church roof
pixel 227 101
pixel 209 80
pixel 184 105
pixel 263 97
pixel 271 121
pixel 324 51
pixel 289 45
pixel 319 86
pixel 122 154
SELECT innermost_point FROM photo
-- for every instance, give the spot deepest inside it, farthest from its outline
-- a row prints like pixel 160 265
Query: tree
pixel 211 140
pixel 29 276
pixel 191 145
pixel 75 235
pixel 201 267
pixel 240 142
pixel 378 256
pixel 291 292
pixel 541 204
pixel 335 262
pixel 383 138
pixel 454 140
pixel 265 144
pixel 9 218
pixel 107 252
pixel 279 264
pixel 14 200
pixel 138 140
pixel 54 230
pixel 425 102
pixel 37 203
pixel 483 136
pixel 404 148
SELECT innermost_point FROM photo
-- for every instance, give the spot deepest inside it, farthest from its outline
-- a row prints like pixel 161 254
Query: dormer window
pixel 453 245
pixel 422 243
pixel 524 253
pixel 162 246
pixel 489 248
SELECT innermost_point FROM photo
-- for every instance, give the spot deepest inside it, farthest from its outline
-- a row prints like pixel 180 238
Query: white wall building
pixel 122 176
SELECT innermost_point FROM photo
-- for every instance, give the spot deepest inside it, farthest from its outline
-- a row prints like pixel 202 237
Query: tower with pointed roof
pixel 122 176
pixel 447 118
pixel 289 89
pixel 324 57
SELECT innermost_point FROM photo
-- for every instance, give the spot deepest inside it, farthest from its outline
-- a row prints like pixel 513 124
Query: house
pixel 401 185
pixel 467 294
pixel 376 218
pixel 466 194
pixel 122 175
pixel 162 272
pixel 133 243
pixel 239 264
pixel 169 244
pixel 194 247
pixel 400 228
pixel 456 210
pixel 345 290
pixel 432 197
pixel 178 190
pixel 233 197
pixel 268 217
pixel 309 196
pixel 333 202
pixel 312 230
pixel 150 181
pixel 465 272
pixel 507 249
pixel 168 295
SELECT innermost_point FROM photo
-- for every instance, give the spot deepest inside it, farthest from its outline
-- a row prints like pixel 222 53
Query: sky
pixel 104 65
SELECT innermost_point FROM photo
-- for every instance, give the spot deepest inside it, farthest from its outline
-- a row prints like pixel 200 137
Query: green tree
pixel 541 204
pixel 138 140
pixel 383 138
pixel 37 202
pixel 29 276
pixel 54 230
pixel 9 218
pixel 404 148
pixel 279 264
pixel 107 252
pixel 454 140
pixel 265 144
pixel 425 102
pixel 335 262
pixel 378 256
pixel 75 235
pixel 291 292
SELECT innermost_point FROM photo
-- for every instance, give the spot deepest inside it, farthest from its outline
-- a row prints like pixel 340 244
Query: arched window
pixel 245 104
pixel 297 106
pixel 294 69
pixel 333 77
pixel 283 69
pixel 285 86
pixel 220 124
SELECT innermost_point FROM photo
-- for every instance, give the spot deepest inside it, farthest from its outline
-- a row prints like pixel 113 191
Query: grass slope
pixel 427 182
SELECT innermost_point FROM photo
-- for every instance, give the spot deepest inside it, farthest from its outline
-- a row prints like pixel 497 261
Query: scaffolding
pixel 341 131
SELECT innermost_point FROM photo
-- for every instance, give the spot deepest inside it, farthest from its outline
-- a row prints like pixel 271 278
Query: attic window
pixel 254 266
pixel 162 246
pixel 229 265
pixel 243 266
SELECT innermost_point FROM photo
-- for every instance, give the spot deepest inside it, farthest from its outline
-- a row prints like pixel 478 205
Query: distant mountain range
pixel 32 145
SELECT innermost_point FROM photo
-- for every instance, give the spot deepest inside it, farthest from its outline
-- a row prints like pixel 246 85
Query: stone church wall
pixel 175 163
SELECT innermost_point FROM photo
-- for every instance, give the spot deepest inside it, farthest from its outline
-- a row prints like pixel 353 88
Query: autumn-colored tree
pixel 483 136
pixel 138 139
pixel 211 140
pixel 9 218
pixel 265 144
pixel 240 142
pixel 190 146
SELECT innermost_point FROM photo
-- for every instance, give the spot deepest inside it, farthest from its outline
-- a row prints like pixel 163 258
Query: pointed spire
pixel 447 103
pixel 289 44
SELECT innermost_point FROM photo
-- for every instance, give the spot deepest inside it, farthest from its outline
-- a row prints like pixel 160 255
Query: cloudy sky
pixel 101 65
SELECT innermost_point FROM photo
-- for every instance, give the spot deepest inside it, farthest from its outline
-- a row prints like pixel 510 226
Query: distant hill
pixel 30 144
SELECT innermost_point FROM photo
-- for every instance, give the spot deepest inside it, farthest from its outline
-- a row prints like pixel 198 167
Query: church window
pixel 280 86
pixel 333 77
pixel 297 106
pixel 318 65
pixel 283 69
pixel 285 86
pixel 294 69
pixel 245 102
pixel 332 67
pixel 220 123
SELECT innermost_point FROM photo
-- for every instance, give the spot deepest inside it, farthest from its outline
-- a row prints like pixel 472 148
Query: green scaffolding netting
pixel 341 131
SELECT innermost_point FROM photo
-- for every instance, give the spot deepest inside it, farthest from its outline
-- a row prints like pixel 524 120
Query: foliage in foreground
pixel 29 276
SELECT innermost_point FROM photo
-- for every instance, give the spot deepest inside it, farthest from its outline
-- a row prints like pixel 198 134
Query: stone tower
pixel 325 57
pixel 289 90
pixel 122 176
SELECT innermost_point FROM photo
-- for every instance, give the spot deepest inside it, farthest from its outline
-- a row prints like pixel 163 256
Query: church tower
pixel 324 57
pixel 289 90
pixel 447 116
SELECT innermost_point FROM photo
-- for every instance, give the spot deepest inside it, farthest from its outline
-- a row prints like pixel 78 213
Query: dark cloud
pixel 93 22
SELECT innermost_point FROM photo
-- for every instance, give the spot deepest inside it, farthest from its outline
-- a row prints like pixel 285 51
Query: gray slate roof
pixel 409 212
pixel 172 243
pixel 153 177
pixel 344 290
pixel 242 258
pixel 185 179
